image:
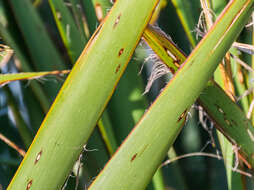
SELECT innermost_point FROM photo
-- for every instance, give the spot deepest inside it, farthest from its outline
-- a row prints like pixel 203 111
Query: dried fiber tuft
pixel 158 70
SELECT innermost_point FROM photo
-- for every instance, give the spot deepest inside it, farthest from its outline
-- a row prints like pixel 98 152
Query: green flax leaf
pixel 83 97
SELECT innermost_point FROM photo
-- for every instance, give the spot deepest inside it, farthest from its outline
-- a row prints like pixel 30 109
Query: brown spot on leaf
pixel 120 52
pixel 182 115
pixel 118 68
pixel 134 157
pixel 117 20
pixel 38 157
pixel 29 185
pixel 172 70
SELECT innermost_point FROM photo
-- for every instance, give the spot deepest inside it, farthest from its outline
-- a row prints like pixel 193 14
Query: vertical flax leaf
pixel 37 97
pixel 107 132
pixel 72 38
pixel 83 97
pixel 141 153
pixel 41 48
pixel 76 10
pixel 24 131
pixel 90 15
pixel 35 36
pixel 183 9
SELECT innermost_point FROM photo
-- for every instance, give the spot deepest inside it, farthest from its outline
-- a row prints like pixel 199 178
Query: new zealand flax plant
pixel 84 98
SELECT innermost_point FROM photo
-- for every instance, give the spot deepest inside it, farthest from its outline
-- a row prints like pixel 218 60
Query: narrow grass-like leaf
pixel 41 49
pixel 5 34
pixel 83 97
pixel 239 83
pixel 23 129
pixel 162 4
pixel 183 9
pixel 25 133
pixel 76 10
pixel 157 182
pixel 218 5
pixel 7 78
pixel 73 39
pixel 107 132
pixel 143 150
pixel 90 15
pixel 31 26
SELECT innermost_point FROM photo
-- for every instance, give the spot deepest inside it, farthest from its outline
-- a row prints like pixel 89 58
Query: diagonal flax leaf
pixel 128 94
pixel 74 43
pixel 7 78
pixel 141 153
pixel 230 119
pixel 83 97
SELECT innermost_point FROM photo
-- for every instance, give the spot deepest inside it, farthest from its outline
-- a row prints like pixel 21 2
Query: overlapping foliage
pixel 60 150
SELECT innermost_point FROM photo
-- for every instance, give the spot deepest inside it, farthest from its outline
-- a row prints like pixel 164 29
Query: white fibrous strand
pixel 159 69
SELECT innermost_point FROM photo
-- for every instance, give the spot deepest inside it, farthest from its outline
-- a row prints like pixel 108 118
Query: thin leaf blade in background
pixel 73 40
